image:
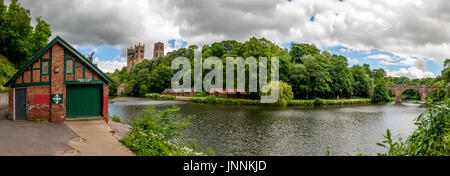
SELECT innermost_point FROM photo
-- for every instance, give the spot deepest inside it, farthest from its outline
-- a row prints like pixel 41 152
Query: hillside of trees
pixel 310 72
pixel 19 39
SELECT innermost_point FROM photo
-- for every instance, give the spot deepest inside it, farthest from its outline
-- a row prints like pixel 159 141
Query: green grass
pixel 160 97
pixel 315 102
pixel 117 99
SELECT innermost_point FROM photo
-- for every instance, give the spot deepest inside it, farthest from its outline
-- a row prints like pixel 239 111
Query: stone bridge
pixel 424 91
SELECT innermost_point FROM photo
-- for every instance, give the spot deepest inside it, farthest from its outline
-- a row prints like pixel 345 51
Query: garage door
pixel 83 101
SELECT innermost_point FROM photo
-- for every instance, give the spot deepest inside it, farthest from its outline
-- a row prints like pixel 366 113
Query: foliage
pixel 380 92
pixel 160 97
pixel 307 103
pixel 19 40
pixel 284 92
pixel 7 70
pixel 431 138
pixel 201 94
pixel 211 99
pixel 142 90
pixel 153 133
pixel 117 119
pixel 361 82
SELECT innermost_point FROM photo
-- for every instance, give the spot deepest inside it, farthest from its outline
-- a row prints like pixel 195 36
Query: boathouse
pixel 58 84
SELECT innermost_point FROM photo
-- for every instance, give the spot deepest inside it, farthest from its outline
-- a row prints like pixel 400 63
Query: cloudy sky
pixel 407 38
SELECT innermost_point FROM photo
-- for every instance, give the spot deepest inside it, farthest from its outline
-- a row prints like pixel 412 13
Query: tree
pixel 40 35
pixel 341 86
pixel 285 92
pixel 160 79
pixel 19 40
pixel 361 82
pixel 300 50
pixel 380 92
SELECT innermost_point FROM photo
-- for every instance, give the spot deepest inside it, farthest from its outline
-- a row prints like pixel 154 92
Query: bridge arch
pixel 424 91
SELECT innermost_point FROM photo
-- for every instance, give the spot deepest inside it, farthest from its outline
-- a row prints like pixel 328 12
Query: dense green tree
pixel 41 33
pixel 19 40
pixel 361 82
pixel 380 92
pixel 341 78
pixel 160 78
pixel 299 50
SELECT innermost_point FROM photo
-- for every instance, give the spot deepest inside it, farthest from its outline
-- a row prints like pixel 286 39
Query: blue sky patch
pixel 176 44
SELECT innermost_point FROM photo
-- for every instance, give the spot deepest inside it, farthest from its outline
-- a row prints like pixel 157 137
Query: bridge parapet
pixel 424 91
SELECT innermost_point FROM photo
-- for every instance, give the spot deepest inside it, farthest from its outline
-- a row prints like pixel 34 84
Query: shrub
pixel 153 95
pixel 117 119
pixel 318 102
pixel 142 90
pixel 168 97
pixel 152 133
pixel 211 99
pixel 201 94
pixel 285 92
pixel 431 138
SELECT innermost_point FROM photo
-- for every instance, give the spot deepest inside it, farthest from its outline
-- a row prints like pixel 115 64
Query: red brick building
pixel 57 84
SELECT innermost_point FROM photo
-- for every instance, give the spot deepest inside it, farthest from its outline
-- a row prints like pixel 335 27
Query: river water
pixel 253 130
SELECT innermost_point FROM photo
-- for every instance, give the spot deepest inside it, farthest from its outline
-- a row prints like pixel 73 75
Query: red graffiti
pixel 42 99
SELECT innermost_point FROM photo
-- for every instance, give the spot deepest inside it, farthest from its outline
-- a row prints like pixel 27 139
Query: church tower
pixel 158 51
pixel 135 56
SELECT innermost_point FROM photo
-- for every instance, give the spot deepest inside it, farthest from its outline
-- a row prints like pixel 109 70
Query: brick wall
pixel 38 103
pixel 57 83
pixel 105 102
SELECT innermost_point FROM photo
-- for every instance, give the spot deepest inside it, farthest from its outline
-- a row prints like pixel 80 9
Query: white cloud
pixel 412 73
pixel 110 66
pixel 352 61
pixel 415 29
pixel 380 56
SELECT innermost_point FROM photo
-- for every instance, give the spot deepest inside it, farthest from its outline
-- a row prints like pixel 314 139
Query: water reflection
pixel 253 130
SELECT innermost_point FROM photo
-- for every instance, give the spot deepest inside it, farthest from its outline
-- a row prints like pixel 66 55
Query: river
pixel 253 130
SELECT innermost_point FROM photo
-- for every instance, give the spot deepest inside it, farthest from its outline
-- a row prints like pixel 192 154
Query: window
pixel 45 68
pixel 69 66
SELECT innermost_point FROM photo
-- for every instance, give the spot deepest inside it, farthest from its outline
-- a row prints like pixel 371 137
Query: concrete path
pixel 23 138
pixel 95 139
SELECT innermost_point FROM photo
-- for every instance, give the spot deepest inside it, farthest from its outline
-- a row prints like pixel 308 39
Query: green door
pixel 83 101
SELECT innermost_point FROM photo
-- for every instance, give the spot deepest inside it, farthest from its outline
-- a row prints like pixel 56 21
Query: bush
pixel 201 94
pixel 431 138
pixel 168 97
pixel 153 133
pixel 317 102
pixel 380 94
pixel 142 90
pixel 117 119
pixel 153 95
pixel 285 92
pixel 211 99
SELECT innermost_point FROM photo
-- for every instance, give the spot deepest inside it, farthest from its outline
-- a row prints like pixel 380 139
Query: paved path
pixel 95 139
pixel 23 138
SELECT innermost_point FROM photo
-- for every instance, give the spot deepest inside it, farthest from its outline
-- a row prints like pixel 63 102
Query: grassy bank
pixel 305 103
pixel 160 97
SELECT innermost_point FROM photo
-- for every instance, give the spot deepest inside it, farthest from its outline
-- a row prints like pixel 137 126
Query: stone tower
pixel 135 56
pixel 158 51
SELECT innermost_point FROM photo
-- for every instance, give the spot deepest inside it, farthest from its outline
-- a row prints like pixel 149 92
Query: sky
pixel 406 38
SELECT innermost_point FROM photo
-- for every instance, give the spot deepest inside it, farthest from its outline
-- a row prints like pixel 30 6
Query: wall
pixel 4 99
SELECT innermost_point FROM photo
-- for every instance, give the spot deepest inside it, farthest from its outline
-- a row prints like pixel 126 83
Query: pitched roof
pixel 66 45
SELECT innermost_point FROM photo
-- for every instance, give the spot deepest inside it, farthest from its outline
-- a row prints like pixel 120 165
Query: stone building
pixel 158 51
pixel 58 84
pixel 135 56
